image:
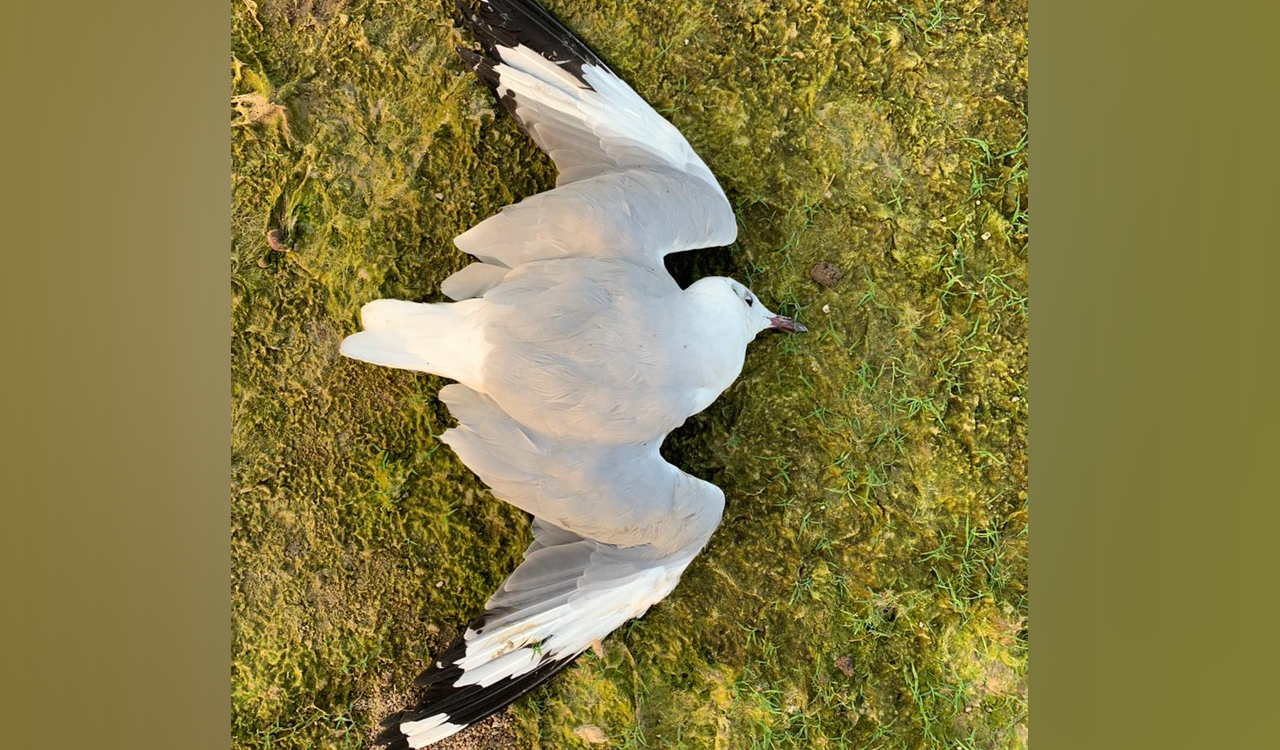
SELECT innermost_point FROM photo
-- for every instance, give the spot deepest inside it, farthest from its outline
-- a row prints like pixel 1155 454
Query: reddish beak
pixel 783 323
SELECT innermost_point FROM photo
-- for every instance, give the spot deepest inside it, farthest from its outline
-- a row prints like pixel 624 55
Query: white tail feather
pixel 440 338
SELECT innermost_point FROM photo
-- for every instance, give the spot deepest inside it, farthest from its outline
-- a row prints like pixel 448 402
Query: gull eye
pixel 750 302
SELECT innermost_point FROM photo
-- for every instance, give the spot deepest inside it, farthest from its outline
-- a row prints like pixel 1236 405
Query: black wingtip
pixel 480 65
pixel 444 666
pixel 511 23
pixel 468 704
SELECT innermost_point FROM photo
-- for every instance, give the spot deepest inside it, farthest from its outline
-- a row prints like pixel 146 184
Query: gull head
pixel 736 302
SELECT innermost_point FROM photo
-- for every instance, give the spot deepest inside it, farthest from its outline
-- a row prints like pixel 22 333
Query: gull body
pixel 575 354
pixel 580 348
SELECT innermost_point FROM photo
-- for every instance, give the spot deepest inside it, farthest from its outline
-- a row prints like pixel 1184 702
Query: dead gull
pixel 575 353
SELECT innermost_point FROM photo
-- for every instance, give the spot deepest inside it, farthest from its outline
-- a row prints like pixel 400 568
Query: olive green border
pixel 116 171
pixel 1153 370
pixel 1153 375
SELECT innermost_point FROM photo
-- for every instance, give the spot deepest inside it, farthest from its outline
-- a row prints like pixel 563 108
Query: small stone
pixel 986 235
pixel 826 309
pixel 439 584
pixel 825 274
pixel 845 665
pixel 591 733
pixel 275 238
pixel 439 196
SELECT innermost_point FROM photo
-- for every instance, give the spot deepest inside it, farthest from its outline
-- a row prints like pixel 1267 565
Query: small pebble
pixel 826 308
pixel 439 584
pixel 986 235
pixel 439 196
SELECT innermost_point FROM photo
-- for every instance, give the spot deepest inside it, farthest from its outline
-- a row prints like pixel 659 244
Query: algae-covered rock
pixel 868 585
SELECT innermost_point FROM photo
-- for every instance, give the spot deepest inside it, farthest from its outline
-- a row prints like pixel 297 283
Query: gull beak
pixel 783 323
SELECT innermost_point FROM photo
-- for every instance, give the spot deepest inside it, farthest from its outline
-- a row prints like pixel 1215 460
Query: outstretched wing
pixel 629 185
pixel 568 592
pixel 636 523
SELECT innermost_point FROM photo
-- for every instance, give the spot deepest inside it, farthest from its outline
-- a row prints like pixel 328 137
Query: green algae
pixel 867 588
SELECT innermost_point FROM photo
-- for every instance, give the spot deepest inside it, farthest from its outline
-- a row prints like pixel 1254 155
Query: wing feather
pixel 643 193
pixel 639 215
pixel 568 592
pixel 571 589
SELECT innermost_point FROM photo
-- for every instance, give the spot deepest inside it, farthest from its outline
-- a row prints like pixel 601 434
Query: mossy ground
pixel 867 588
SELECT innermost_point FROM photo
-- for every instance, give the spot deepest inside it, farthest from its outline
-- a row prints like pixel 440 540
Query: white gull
pixel 575 354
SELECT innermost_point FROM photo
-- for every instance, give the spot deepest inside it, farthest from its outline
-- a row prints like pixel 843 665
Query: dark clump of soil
pixel 826 274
